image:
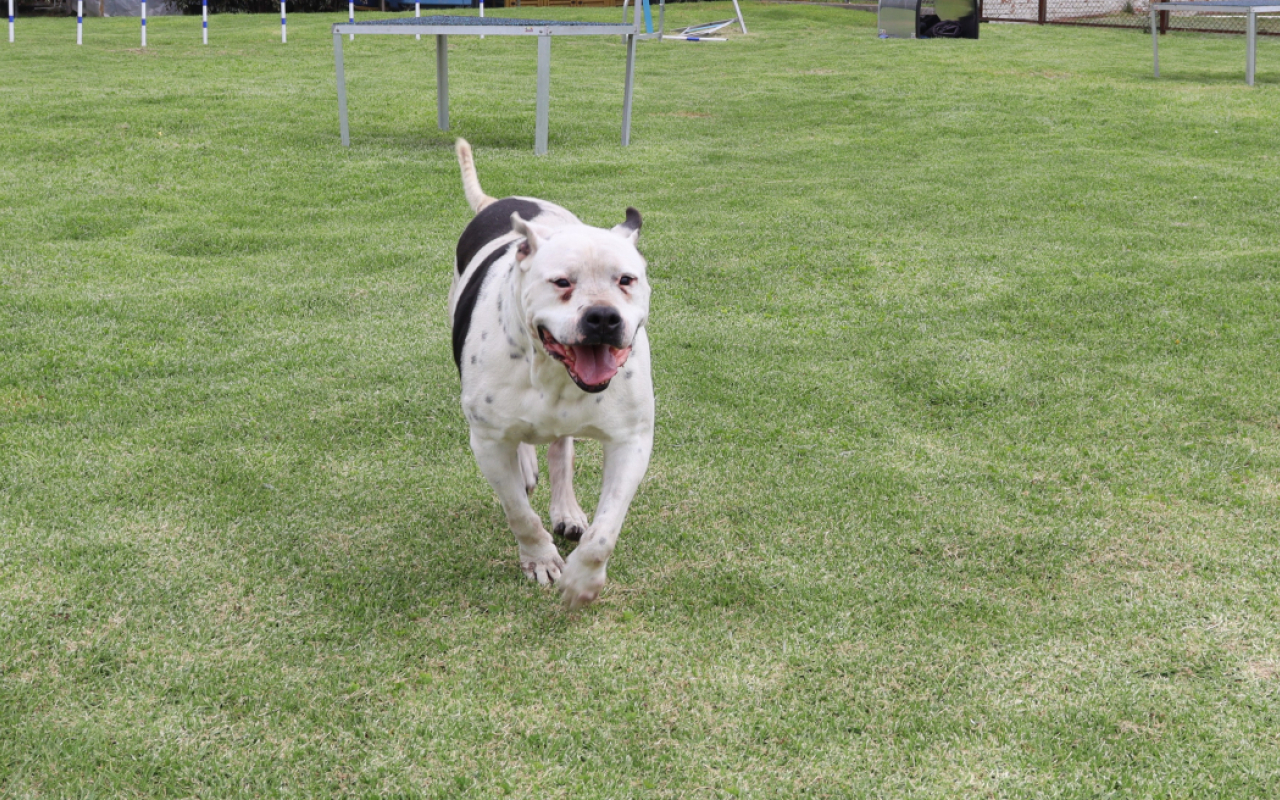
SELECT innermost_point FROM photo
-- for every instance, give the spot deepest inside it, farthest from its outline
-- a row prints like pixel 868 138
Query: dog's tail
pixel 470 183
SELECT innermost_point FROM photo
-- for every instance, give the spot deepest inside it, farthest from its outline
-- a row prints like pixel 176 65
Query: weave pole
pixel 417 12
pixel 10 21
pixel 204 22
pixel 284 33
pixel 482 14
pixel 79 21
pixel 351 16
pixel 144 23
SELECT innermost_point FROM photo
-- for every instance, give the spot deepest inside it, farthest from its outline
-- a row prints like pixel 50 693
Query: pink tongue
pixel 594 364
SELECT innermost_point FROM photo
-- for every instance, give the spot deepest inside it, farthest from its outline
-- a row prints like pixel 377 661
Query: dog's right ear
pixel 629 228
pixel 534 235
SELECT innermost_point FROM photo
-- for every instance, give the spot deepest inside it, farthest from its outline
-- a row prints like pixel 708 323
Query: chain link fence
pixel 1117 14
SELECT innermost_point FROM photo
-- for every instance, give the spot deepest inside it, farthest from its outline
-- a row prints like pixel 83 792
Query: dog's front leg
pixel 567 517
pixel 500 463
pixel 625 463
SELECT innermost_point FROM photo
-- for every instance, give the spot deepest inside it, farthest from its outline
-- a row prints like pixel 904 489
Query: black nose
pixel 601 325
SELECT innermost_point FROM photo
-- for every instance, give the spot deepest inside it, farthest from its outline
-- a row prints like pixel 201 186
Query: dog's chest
pixel 530 414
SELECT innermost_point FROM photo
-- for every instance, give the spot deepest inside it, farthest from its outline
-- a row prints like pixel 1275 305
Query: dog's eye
pixel 626 280
pixel 563 283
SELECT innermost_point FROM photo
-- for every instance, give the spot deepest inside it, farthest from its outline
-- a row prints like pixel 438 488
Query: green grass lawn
pixel 967 471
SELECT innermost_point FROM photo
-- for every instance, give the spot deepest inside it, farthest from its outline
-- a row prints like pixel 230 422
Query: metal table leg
pixel 342 91
pixel 442 82
pixel 544 94
pixel 1252 59
pixel 1155 41
pixel 627 88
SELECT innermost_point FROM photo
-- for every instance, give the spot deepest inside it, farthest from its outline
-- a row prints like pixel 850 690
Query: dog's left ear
pixel 534 235
pixel 629 228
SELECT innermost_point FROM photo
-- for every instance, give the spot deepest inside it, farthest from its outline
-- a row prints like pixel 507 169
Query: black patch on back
pixel 467 302
pixel 492 223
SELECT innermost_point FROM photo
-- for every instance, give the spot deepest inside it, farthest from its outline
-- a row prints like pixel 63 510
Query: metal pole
pixel 1252 61
pixel 144 23
pixel 442 82
pixel 1155 41
pixel 544 94
pixel 204 12
pixel 351 15
pixel 742 23
pixel 482 14
pixel 284 32
pixel 10 21
pixel 79 21
pixel 342 90
pixel 417 12
pixel 662 16
pixel 627 87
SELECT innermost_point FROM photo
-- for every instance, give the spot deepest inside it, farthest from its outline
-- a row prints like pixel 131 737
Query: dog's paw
pixel 570 531
pixel 569 523
pixel 542 564
pixel 582 581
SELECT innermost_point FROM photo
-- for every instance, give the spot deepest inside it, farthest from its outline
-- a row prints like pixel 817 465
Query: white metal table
pixel 442 26
pixel 1251 8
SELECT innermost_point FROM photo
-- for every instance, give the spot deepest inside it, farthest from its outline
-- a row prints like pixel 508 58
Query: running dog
pixel 549 337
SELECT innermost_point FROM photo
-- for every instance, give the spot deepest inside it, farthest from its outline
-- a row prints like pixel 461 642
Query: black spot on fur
pixel 467 303
pixel 627 374
pixel 492 223
pixel 516 355
pixel 488 398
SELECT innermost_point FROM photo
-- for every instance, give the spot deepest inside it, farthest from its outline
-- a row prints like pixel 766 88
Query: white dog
pixel 549 336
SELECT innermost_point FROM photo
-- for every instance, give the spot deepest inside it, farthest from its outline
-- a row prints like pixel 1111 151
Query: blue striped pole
pixel 144 23
pixel 284 35
pixel 10 21
pixel 417 12
pixel 482 14
pixel 204 12
pixel 351 16
pixel 79 21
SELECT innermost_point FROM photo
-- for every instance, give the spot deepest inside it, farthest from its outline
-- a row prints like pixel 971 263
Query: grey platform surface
pixel 442 26
pixel 1183 5
pixel 485 22
pixel 1251 8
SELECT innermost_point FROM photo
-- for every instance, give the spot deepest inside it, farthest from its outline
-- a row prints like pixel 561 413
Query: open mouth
pixel 591 366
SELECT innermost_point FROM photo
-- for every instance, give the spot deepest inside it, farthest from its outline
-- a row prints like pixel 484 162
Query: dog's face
pixel 585 295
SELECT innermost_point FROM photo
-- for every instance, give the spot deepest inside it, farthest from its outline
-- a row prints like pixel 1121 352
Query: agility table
pixel 1251 8
pixel 442 27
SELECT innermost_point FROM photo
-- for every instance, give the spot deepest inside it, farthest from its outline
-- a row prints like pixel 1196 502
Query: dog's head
pixel 585 295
